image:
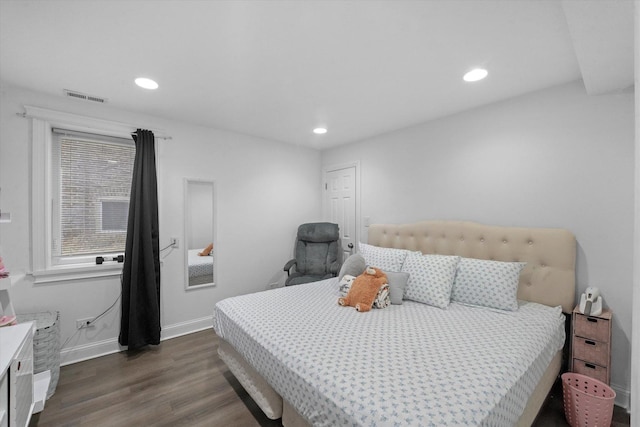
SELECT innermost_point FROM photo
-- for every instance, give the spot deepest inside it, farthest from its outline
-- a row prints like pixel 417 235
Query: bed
pixel 200 267
pixel 306 359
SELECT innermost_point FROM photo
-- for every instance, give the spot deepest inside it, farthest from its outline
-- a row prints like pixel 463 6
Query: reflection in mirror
pixel 199 233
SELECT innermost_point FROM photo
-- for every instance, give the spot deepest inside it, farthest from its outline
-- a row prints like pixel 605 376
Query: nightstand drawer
pixel 591 350
pixel 591 370
pixel 595 328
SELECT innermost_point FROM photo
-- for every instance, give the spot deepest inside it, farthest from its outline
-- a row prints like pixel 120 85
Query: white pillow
pixel 430 278
pixel 386 259
pixel 487 283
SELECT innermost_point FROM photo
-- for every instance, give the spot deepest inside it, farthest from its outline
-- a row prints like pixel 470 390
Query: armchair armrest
pixel 288 265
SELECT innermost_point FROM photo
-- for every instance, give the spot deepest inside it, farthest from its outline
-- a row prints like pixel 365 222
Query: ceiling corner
pixel 602 36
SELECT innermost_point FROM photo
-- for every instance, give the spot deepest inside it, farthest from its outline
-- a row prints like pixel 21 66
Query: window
pixel 81 181
pixel 91 181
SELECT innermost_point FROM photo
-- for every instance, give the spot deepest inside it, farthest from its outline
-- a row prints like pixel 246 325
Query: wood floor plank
pixel 181 382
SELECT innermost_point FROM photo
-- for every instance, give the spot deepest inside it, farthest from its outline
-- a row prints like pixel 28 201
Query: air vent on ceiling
pixel 84 96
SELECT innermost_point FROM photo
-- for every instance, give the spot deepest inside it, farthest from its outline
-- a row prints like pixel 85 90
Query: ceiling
pixel 277 69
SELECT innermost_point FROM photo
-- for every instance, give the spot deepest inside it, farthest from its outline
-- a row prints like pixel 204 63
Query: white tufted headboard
pixel 548 278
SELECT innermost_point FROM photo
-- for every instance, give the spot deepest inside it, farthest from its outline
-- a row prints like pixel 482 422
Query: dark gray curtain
pixel 140 317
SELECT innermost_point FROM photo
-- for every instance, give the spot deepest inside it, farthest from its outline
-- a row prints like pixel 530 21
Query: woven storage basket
pixel 46 345
pixel 587 401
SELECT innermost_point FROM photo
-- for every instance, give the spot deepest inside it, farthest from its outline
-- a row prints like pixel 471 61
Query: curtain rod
pixel 24 115
pixel 156 137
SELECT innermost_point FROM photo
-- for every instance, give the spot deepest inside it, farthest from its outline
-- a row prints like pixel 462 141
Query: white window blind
pixel 91 183
pixel 114 215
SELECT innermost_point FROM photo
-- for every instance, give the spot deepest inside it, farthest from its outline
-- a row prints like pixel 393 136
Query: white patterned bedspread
pixel 404 365
pixel 199 265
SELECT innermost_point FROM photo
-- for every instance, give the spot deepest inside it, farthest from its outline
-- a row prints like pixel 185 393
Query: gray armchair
pixel 318 254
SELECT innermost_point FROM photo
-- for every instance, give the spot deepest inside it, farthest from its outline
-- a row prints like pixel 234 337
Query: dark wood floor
pixel 181 382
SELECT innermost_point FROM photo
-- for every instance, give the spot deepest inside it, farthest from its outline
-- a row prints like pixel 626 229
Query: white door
pixel 340 204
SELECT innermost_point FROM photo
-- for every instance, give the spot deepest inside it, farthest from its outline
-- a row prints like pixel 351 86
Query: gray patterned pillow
pixel 487 283
pixel 386 259
pixel 430 278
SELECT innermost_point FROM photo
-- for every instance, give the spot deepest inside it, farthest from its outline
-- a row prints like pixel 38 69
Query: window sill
pixel 76 272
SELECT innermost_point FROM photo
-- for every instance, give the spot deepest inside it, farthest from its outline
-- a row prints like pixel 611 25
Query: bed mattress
pixel 199 265
pixel 408 364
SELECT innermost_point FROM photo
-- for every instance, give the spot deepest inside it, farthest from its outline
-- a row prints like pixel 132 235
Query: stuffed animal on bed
pixel 364 289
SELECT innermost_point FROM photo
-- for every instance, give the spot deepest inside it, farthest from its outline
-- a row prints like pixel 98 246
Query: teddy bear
pixel 206 251
pixel 364 289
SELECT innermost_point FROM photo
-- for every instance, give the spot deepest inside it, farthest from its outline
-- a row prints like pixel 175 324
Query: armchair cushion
pixel 318 232
pixel 315 258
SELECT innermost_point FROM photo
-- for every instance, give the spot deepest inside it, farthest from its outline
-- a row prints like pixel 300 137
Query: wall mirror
pixel 199 233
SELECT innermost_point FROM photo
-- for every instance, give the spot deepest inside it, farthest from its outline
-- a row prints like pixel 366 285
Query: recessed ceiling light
pixel 475 75
pixel 146 83
pixel 320 131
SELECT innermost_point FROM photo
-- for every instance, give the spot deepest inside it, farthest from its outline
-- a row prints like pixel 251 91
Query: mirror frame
pixel 186 203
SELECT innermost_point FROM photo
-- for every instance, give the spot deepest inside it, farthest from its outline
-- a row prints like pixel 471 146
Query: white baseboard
pixel 79 353
pixel 83 352
pixel 188 327
pixel 623 396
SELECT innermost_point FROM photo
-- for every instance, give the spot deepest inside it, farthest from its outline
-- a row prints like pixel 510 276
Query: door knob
pixel 350 245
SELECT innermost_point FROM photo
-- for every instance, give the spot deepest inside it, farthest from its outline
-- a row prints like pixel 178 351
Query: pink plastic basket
pixel 587 401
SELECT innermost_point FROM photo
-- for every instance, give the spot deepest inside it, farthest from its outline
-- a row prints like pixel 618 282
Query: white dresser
pixel 16 370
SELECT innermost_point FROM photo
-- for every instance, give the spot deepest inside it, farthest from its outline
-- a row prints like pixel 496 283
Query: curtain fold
pixel 140 314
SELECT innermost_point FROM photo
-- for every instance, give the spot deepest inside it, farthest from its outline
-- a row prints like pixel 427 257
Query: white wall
pixel 265 189
pixel 635 370
pixel 554 158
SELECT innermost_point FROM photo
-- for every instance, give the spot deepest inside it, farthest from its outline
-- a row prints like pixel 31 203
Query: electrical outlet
pixel 84 323
pixel 274 285
pixel 175 243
